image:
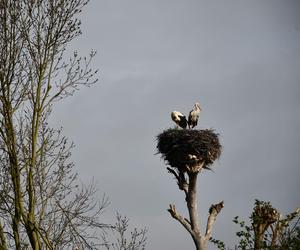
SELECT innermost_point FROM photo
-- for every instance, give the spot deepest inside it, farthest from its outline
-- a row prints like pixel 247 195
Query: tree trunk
pixel 193 224
pixel 191 199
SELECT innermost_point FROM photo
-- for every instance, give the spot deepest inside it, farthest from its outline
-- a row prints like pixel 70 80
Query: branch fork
pixel 193 224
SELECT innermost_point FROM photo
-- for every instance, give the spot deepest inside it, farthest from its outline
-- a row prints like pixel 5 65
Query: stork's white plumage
pixel 194 115
pixel 179 119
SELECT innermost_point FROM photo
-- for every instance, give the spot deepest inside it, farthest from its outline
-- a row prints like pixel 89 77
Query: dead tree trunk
pixel 192 225
pixel 188 152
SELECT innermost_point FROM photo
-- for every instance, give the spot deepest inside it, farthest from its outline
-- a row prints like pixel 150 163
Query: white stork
pixel 194 115
pixel 179 119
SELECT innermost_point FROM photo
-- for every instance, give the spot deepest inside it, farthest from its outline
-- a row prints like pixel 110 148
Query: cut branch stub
pixel 216 208
pixel 189 150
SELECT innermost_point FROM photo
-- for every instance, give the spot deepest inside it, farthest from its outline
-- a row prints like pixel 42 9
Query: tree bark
pixel 3 244
pixel 191 200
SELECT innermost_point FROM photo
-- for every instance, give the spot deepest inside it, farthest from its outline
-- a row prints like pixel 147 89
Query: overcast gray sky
pixel 239 59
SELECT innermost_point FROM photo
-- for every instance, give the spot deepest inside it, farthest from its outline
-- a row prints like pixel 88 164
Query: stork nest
pixel 186 149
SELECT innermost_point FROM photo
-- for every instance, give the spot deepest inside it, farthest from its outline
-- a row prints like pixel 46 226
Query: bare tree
pixel 188 152
pixel 136 240
pixel 42 205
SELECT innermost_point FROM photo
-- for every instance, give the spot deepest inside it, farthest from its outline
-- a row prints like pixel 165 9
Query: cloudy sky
pixel 239 59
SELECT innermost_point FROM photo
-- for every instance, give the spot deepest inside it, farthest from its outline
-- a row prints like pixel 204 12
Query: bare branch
pixel 184 222
pixel 181 180
pixel 214 210
pixel 136 241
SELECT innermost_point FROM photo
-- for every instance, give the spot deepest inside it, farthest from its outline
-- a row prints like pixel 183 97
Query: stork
pixel 194 115
pixel 179 119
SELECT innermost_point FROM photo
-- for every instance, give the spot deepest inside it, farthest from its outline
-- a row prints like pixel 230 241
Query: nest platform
pixel 186 149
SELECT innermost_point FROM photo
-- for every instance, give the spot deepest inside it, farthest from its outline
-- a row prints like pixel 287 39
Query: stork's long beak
pixel 197 105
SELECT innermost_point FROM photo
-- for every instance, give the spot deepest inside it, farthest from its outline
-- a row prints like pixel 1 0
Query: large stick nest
pixel 186 149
